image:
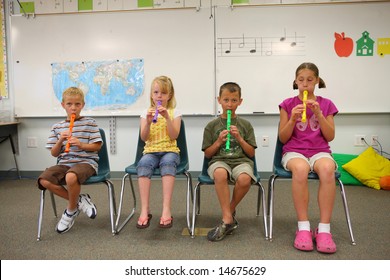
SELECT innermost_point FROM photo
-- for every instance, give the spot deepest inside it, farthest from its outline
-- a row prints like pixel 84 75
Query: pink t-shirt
pixel 307 138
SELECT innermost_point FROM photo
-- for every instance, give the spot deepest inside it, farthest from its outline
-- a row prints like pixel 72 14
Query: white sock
pixel 304 225
pixel 71 212
pixel 323 228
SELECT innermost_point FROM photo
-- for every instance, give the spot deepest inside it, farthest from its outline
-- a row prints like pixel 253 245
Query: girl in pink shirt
pixel 306 149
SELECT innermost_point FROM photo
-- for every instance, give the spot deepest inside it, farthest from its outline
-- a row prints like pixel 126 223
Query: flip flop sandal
pixel 163 222
pixel 140 224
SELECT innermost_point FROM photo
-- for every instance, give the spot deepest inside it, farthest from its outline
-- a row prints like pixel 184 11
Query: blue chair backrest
pixel 103 173
pixel 278 154
pixel 182 144
pixel 104 163
pixel 205 166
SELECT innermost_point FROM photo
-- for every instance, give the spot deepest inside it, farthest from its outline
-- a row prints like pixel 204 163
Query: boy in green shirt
pixel 229 163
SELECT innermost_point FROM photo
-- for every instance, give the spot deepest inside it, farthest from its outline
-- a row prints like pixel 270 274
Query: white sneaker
pixel 66 222
pixel 86 205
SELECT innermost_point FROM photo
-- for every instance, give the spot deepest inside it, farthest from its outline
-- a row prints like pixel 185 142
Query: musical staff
pixel 284 37
pixel 230 47
pixel 294 43
pixel 242 46
pixel 254 49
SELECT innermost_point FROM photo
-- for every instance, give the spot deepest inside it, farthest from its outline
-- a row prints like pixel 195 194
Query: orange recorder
pixel 72 118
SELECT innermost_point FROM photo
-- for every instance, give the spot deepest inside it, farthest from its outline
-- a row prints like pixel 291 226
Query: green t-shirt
pixel 235 155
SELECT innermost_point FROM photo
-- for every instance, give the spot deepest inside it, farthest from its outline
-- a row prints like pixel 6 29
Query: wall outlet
pixel 32 142
pixel 359 140
pixel 374 140
pixel 265 141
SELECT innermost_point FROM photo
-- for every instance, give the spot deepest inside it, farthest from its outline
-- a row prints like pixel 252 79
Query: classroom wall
pixel 37 159
pixel 259 47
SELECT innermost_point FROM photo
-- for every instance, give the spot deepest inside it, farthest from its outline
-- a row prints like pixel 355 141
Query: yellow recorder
pixel 304 106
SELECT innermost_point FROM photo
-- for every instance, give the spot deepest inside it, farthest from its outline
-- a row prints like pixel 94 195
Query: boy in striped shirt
pixel 75 166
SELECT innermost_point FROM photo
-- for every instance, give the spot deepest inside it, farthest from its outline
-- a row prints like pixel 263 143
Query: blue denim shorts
pixel 167 162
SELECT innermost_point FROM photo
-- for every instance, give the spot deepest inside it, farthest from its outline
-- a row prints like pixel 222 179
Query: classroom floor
pixel 92 239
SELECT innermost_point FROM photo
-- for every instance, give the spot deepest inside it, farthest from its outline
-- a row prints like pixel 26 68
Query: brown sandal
pixel 163 222
pixel 140 224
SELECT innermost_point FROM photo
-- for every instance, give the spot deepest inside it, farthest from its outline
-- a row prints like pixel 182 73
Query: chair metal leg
pixel 40 215
pixel 117 226
pixel 344 198
pixel 189 199
pixel 53 204
pixel 194 205
pixel 258 202
pixel 112 205
pixel 271 184
pixel 198 201
pixel 41 209
pixel 14 152
pixel 261 190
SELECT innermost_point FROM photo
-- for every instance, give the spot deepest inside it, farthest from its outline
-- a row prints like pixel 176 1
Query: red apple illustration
pixel 343 45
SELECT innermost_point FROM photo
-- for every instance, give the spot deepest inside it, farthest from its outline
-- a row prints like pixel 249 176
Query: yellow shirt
pixel 159 140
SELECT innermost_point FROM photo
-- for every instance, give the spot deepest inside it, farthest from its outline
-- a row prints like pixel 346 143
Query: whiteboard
pixel 176 43
pixel 355 83
pixel 190 45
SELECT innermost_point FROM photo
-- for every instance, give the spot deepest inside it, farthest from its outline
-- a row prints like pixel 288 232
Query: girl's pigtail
pixel 295 86
pixel 321 84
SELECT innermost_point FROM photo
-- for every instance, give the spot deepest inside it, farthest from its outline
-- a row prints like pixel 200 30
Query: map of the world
pixel 107 85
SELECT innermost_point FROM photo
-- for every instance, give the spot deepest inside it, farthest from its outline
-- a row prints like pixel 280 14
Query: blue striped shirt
pixel 87 131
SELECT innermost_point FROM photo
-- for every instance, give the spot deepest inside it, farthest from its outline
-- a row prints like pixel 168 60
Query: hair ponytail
pixel 295 86
pixel 321 84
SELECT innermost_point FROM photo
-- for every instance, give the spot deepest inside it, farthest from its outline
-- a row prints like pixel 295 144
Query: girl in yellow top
pixel 160 127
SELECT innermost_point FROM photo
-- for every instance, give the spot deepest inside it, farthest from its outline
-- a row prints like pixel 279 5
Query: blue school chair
pixel 280 172
pixel 103 176
pixel 204 179
pixel 131 170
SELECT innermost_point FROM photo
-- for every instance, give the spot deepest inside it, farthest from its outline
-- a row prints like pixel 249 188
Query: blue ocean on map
pixel 107 85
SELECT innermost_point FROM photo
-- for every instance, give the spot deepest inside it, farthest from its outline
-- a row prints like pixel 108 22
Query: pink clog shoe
pixel 324 242
pixel 303 240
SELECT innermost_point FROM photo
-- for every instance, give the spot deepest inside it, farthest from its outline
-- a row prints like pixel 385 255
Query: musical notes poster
pixel 261 47
pixel 241 46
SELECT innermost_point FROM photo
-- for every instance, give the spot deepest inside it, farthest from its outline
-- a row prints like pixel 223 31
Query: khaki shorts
pixel 56 174
pixel 290 155
pixel 233 173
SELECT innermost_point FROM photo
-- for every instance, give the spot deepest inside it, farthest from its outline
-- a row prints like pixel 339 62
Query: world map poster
pixel 107 85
